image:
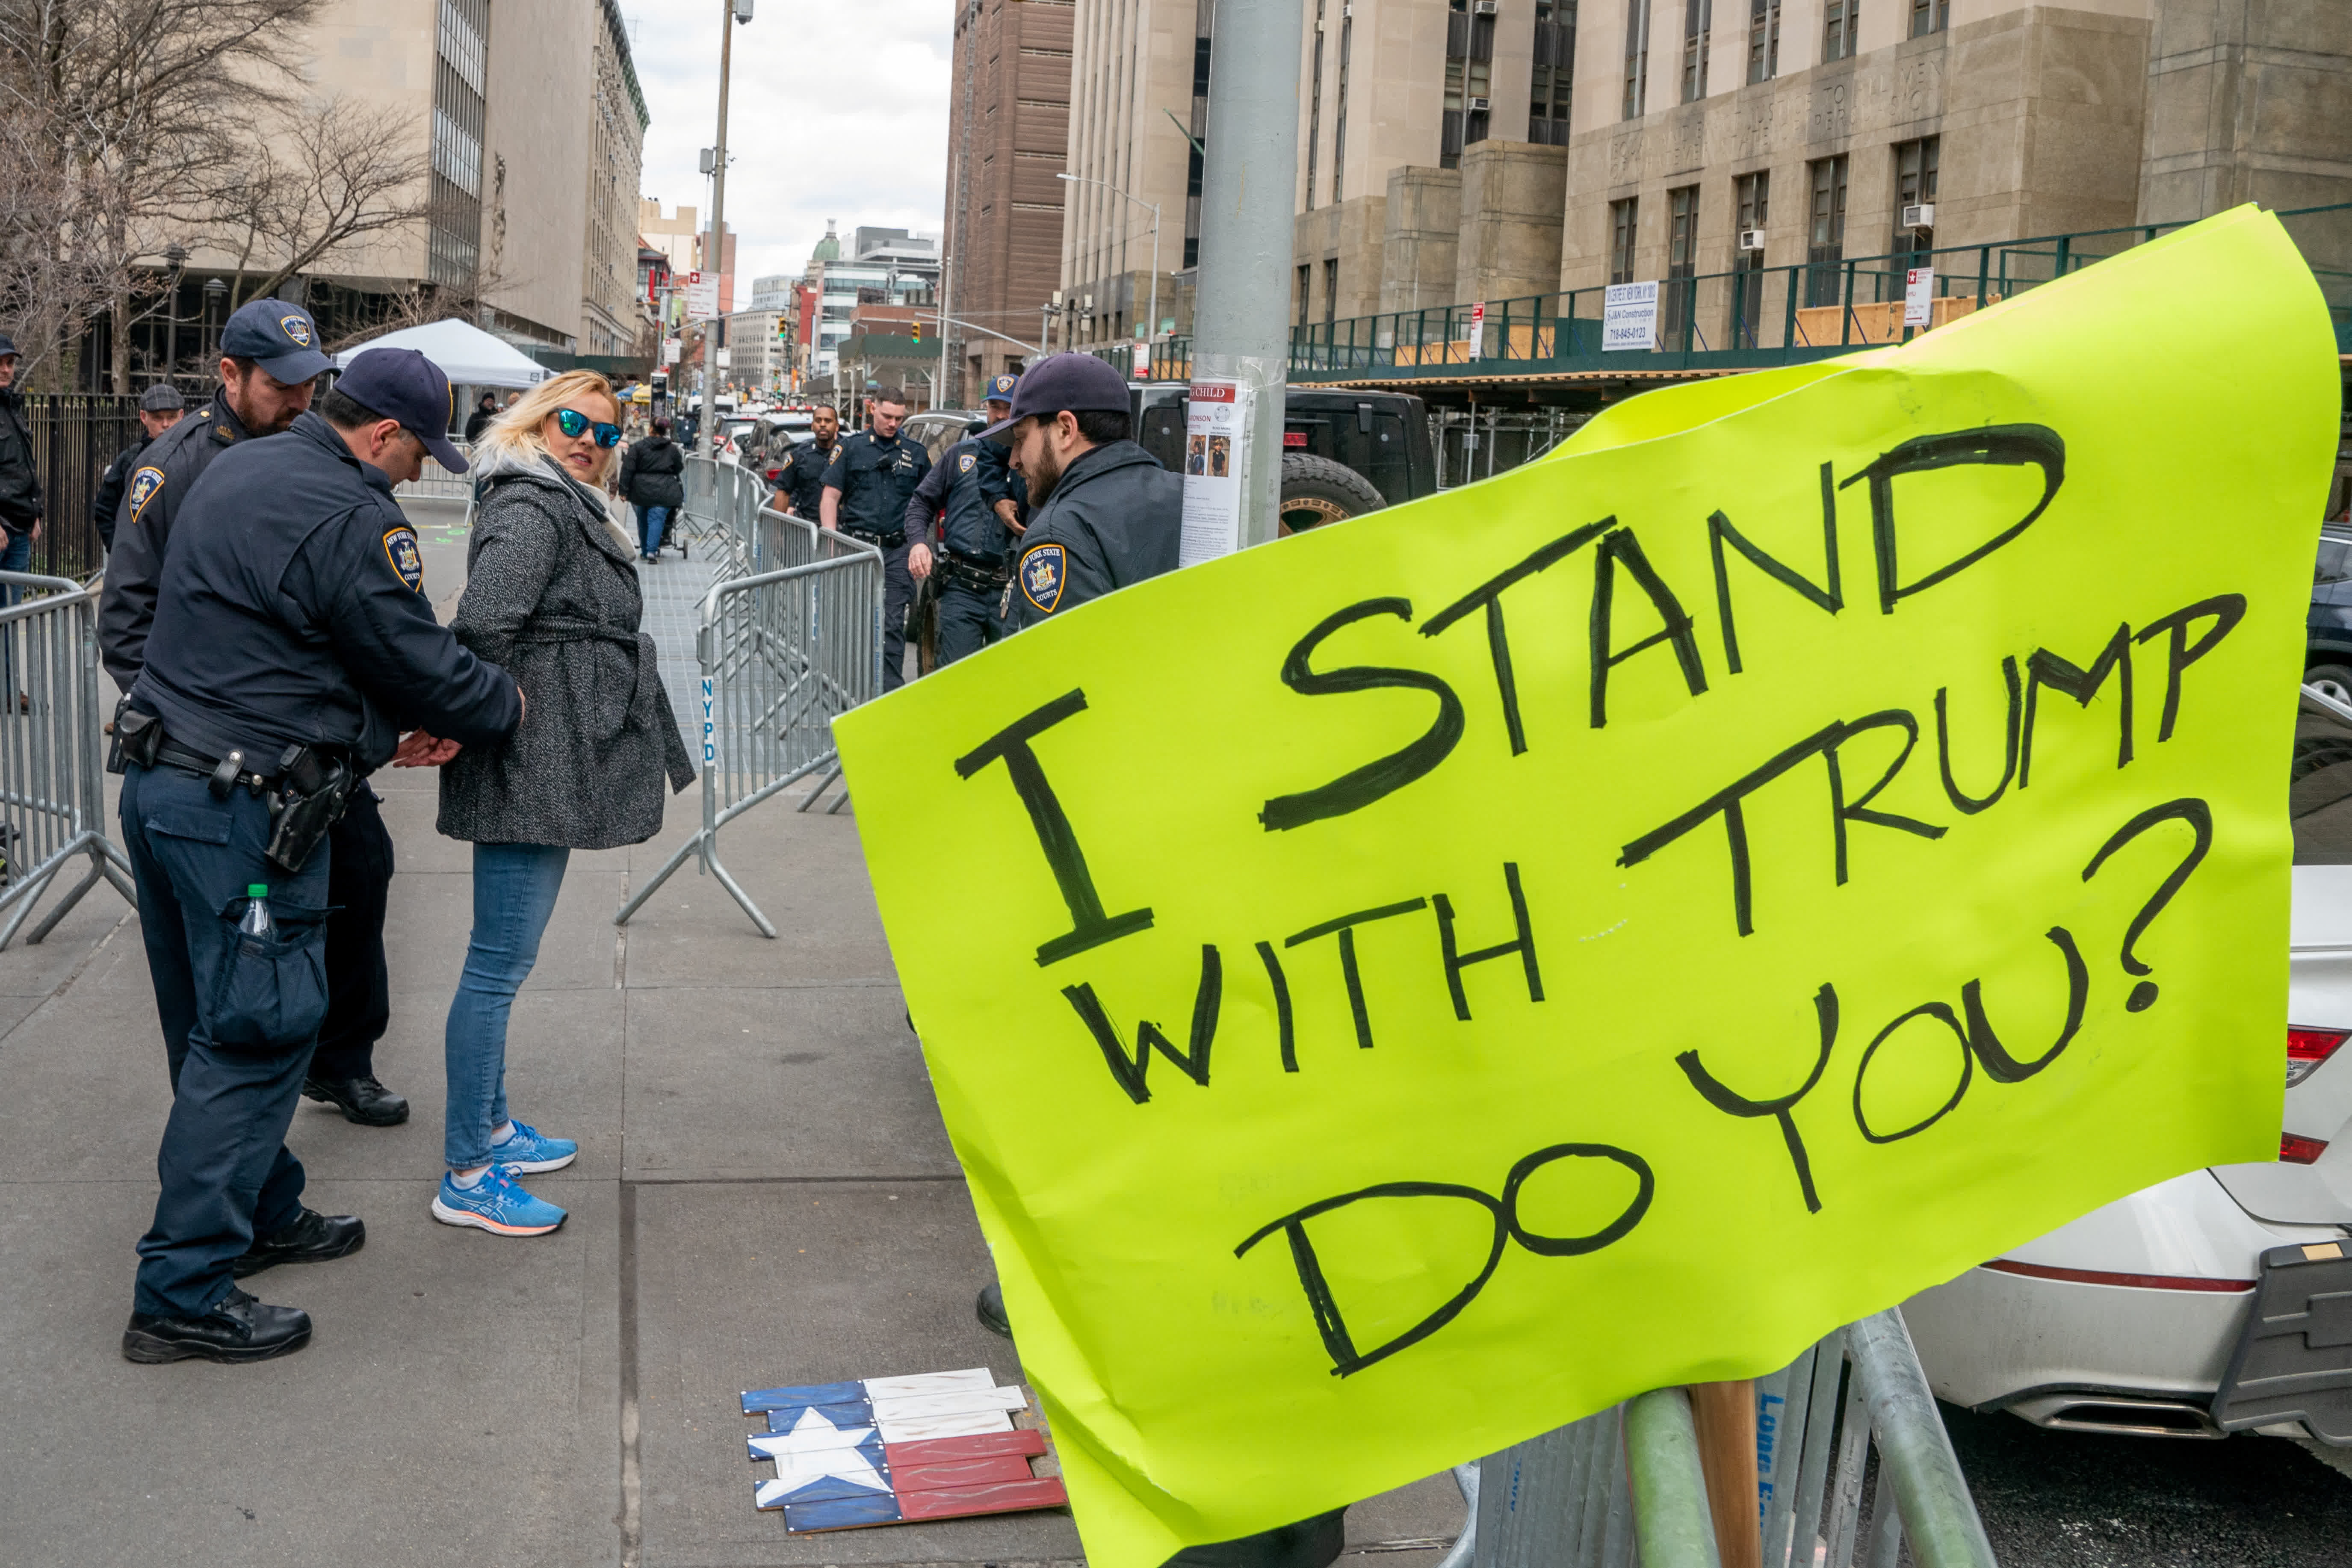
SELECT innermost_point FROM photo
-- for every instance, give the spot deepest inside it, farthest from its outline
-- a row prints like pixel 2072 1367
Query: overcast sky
pixel 837 112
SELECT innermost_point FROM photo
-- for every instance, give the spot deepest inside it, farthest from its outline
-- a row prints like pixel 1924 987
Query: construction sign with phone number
pixel 1402 989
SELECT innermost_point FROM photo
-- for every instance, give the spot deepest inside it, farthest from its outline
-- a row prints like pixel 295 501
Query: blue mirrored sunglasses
pixel 574 425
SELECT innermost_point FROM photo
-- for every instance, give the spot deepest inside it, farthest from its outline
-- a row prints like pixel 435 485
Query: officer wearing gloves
pixel 1103 513
pixel 969 486
pixel 291 643
pixel 867 483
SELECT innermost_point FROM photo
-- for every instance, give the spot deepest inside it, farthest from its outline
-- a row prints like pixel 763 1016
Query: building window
pixel 1763 40
pixel 1555 72
pixel 1930 16
pixel 1315 109
pixel 1825 240
pixel 1331 291
pixel 1637 57
pixel 1340 108
pixel 1699 19
pixel 1203 14
pixel 454 193
pixel 1469 80
pixel 1624 220
pixel 1840 19
pixel 1754 200
pixel 1305 281
pixel 1682 261
pixel 1914 186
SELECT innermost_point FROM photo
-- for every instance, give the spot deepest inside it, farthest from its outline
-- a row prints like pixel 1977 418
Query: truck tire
pixel 1317 490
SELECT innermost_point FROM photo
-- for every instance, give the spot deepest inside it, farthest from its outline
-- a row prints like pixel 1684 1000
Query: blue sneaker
pixel 528 1150
pixel 496 1205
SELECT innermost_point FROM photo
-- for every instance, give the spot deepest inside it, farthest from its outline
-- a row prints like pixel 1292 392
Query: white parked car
pixel 2220 1301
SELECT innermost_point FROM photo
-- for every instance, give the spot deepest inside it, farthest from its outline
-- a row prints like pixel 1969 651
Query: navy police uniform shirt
pixel 801 478
pixel 1115 517
pixel 161 481
pixel 877 479
pixel 293 612
pixel 968 487
pixel 998 461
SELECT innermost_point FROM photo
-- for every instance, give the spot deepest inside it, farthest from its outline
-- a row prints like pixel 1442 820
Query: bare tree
pixel 321 179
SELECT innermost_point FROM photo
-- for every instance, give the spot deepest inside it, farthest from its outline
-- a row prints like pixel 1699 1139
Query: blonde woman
pixel 552 595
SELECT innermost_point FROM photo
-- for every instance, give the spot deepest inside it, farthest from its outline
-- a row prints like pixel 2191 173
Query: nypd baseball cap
pixel 1000 389
pixel 403 384
pixel 280 337
pixel 1078 382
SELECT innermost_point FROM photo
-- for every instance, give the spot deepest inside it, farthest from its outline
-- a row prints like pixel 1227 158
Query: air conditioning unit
pixel 1752 239
pixel 1483 7
pixel 1920 215
pixel 1478 105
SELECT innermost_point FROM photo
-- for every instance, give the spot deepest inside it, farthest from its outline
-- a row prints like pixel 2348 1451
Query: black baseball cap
pixel 403 384
pixel 7 345
pixel 1078 382
pixel 280 337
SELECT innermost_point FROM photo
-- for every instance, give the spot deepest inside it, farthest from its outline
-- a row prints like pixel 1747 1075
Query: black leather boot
pixel 312 1238
pixel 239 1329
pixel 361 1100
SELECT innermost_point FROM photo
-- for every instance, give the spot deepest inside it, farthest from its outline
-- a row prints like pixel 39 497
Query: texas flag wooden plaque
pixel 895 1450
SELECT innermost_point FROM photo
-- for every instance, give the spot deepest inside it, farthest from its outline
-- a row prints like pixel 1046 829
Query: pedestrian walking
pixel 868 480
pixel 1103 513
pixel 485 410
pixel 800 478
pixel 653 481
pixel 291 644
pixel 552 595
pixel 160 407
pixel 269 363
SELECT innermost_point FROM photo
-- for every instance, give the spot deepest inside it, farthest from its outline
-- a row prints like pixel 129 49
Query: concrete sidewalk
pixel 764 1196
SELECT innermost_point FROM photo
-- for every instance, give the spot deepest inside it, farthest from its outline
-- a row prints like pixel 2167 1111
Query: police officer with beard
pixel 869 481
pixel 1103 513
pixel 269 364
pixel 800 479
pixel 976 492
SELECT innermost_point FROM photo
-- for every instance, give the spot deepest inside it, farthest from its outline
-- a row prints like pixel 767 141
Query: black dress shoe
pixel 238 1330
pixel 990 1310
pixel 361 1100
pixel 313 1239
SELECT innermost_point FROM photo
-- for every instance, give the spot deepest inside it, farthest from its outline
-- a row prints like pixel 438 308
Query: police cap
pixel 280 337
pixel 7 345
pixel 403 384
pixel 1073 381
pixel 1000 389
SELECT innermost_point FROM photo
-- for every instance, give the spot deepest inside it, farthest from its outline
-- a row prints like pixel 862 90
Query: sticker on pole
pixel 1406 987
pixel 1216 424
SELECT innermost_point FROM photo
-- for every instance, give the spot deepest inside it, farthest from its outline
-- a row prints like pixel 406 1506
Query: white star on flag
pixel 815 1448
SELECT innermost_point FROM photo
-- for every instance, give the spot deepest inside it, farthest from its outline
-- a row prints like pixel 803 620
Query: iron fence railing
pixel 75 436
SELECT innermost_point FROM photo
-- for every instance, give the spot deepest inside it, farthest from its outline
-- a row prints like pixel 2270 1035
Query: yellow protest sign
pixel 1402 989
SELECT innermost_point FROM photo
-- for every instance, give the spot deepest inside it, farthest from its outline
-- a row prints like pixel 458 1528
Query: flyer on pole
pixel 1918 296
pixel 1215 421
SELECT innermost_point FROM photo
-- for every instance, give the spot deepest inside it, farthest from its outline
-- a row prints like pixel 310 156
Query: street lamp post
pixel 215 292
pixel 731 13
pixel 176 258
pixel 1153 330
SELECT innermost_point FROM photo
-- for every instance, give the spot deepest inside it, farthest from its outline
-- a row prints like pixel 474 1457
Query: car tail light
pixel 2306 1048
pixel 2296 1149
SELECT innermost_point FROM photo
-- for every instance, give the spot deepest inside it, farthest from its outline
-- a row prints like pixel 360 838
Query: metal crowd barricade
pixel 788 643
pixel 1623 1488
pixel 437 483
pixel 721 515
pixel 52 783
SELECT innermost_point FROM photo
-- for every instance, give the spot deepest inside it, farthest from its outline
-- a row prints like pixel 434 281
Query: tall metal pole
pixel 1248 181
pixel 717 260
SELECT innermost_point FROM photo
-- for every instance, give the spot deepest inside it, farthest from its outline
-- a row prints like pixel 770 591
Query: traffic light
pixel 918 334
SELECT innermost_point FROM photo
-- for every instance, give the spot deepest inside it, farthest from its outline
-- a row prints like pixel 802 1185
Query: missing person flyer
pixel 1215 422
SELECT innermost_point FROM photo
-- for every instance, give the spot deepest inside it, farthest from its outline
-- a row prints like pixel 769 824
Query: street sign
pixel 726 358
pixel 1918 296
pixel 672 348
pixel 702 296
pixel 1629 317
pixel 1477 328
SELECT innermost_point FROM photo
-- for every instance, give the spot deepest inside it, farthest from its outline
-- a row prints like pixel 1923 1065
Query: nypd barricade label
pixel 709 730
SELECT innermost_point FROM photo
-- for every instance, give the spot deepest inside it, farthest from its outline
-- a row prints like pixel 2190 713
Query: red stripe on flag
pixel 960 1473
pixel 1008 1497
pixel 980 1446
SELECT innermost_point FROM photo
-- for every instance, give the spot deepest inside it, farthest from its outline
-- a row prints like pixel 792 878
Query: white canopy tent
pixel 467 355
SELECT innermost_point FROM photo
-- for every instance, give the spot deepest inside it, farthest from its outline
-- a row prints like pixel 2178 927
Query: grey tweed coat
pixel 552 595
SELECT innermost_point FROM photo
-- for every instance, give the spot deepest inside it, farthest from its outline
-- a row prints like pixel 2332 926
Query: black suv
pixel 1343 453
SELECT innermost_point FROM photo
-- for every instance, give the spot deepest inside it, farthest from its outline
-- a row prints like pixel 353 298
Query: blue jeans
pixel 239 1015
pixel 651 522
pixel 514 892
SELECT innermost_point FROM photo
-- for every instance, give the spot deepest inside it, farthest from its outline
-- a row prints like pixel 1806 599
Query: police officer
pixel 869 481
pixel 160 407
pixel 969 486
pixel 1014 508
pixel 1103 513
pixel 291 643
pixel 269 361
pixel 800 479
